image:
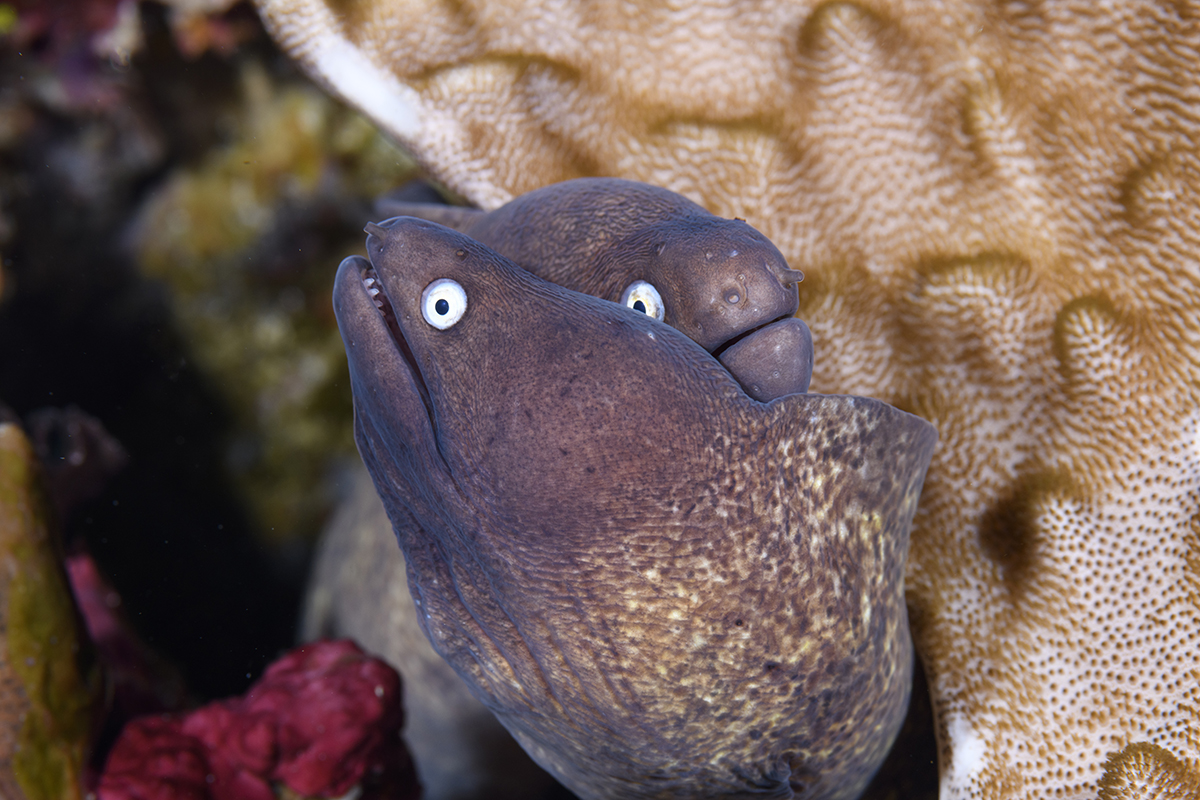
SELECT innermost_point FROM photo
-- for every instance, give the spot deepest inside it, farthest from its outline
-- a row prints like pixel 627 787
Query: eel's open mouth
pixel 378 294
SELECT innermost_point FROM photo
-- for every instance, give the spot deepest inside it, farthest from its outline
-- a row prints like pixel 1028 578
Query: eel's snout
pixel 740 305
pixel 408 253
pixel 402 233
pixel 350 300
pixel 735 280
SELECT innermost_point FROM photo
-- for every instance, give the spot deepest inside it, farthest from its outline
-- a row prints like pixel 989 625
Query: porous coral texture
pixel 996 208
pixel 1147 772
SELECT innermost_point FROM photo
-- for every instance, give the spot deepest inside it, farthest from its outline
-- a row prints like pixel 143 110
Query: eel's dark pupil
pixel 442 307
pixel 638 305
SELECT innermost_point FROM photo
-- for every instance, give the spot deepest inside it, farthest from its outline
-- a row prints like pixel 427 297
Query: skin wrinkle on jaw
pixel 1019 176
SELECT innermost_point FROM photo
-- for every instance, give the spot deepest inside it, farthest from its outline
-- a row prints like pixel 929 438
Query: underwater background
pixel 174 199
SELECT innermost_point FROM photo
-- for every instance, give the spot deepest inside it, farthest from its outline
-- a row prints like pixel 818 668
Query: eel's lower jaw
pixel 375 290
pixel 772 360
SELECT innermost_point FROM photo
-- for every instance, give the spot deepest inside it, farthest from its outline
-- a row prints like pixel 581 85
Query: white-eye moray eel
pixel 718 280
pixel 661 586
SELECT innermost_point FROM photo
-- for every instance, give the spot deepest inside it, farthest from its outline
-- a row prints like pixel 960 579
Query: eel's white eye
pixel 443 303
pixel 643 297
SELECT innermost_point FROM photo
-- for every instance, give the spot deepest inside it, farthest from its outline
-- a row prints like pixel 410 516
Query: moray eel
pixel 661 586
pixel 720 281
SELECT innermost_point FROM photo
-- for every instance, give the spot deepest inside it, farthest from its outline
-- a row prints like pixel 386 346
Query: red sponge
pixel 323 719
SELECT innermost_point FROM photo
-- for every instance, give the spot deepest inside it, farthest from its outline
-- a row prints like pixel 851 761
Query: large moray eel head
pixel 662 587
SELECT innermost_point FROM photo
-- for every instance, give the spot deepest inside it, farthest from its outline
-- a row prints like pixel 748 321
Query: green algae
pixel 43 660
pixel 248 240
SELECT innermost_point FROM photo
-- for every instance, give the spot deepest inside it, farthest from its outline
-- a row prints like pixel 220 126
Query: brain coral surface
pixel 996 207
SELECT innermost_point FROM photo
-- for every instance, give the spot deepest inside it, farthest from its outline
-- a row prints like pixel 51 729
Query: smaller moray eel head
pixel 720 279
pixel 728 288
pixel 662 587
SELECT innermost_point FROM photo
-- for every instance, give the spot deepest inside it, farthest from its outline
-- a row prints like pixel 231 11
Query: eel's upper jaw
pixel 387 383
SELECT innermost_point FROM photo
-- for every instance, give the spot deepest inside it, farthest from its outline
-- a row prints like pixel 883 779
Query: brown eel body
pixel 661 586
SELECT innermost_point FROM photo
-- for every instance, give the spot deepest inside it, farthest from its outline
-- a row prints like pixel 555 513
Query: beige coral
pixel 996 208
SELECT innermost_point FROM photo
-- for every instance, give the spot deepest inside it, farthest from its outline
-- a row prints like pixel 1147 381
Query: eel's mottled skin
pixel 584 233
pixel 722 282
pixel 662 587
